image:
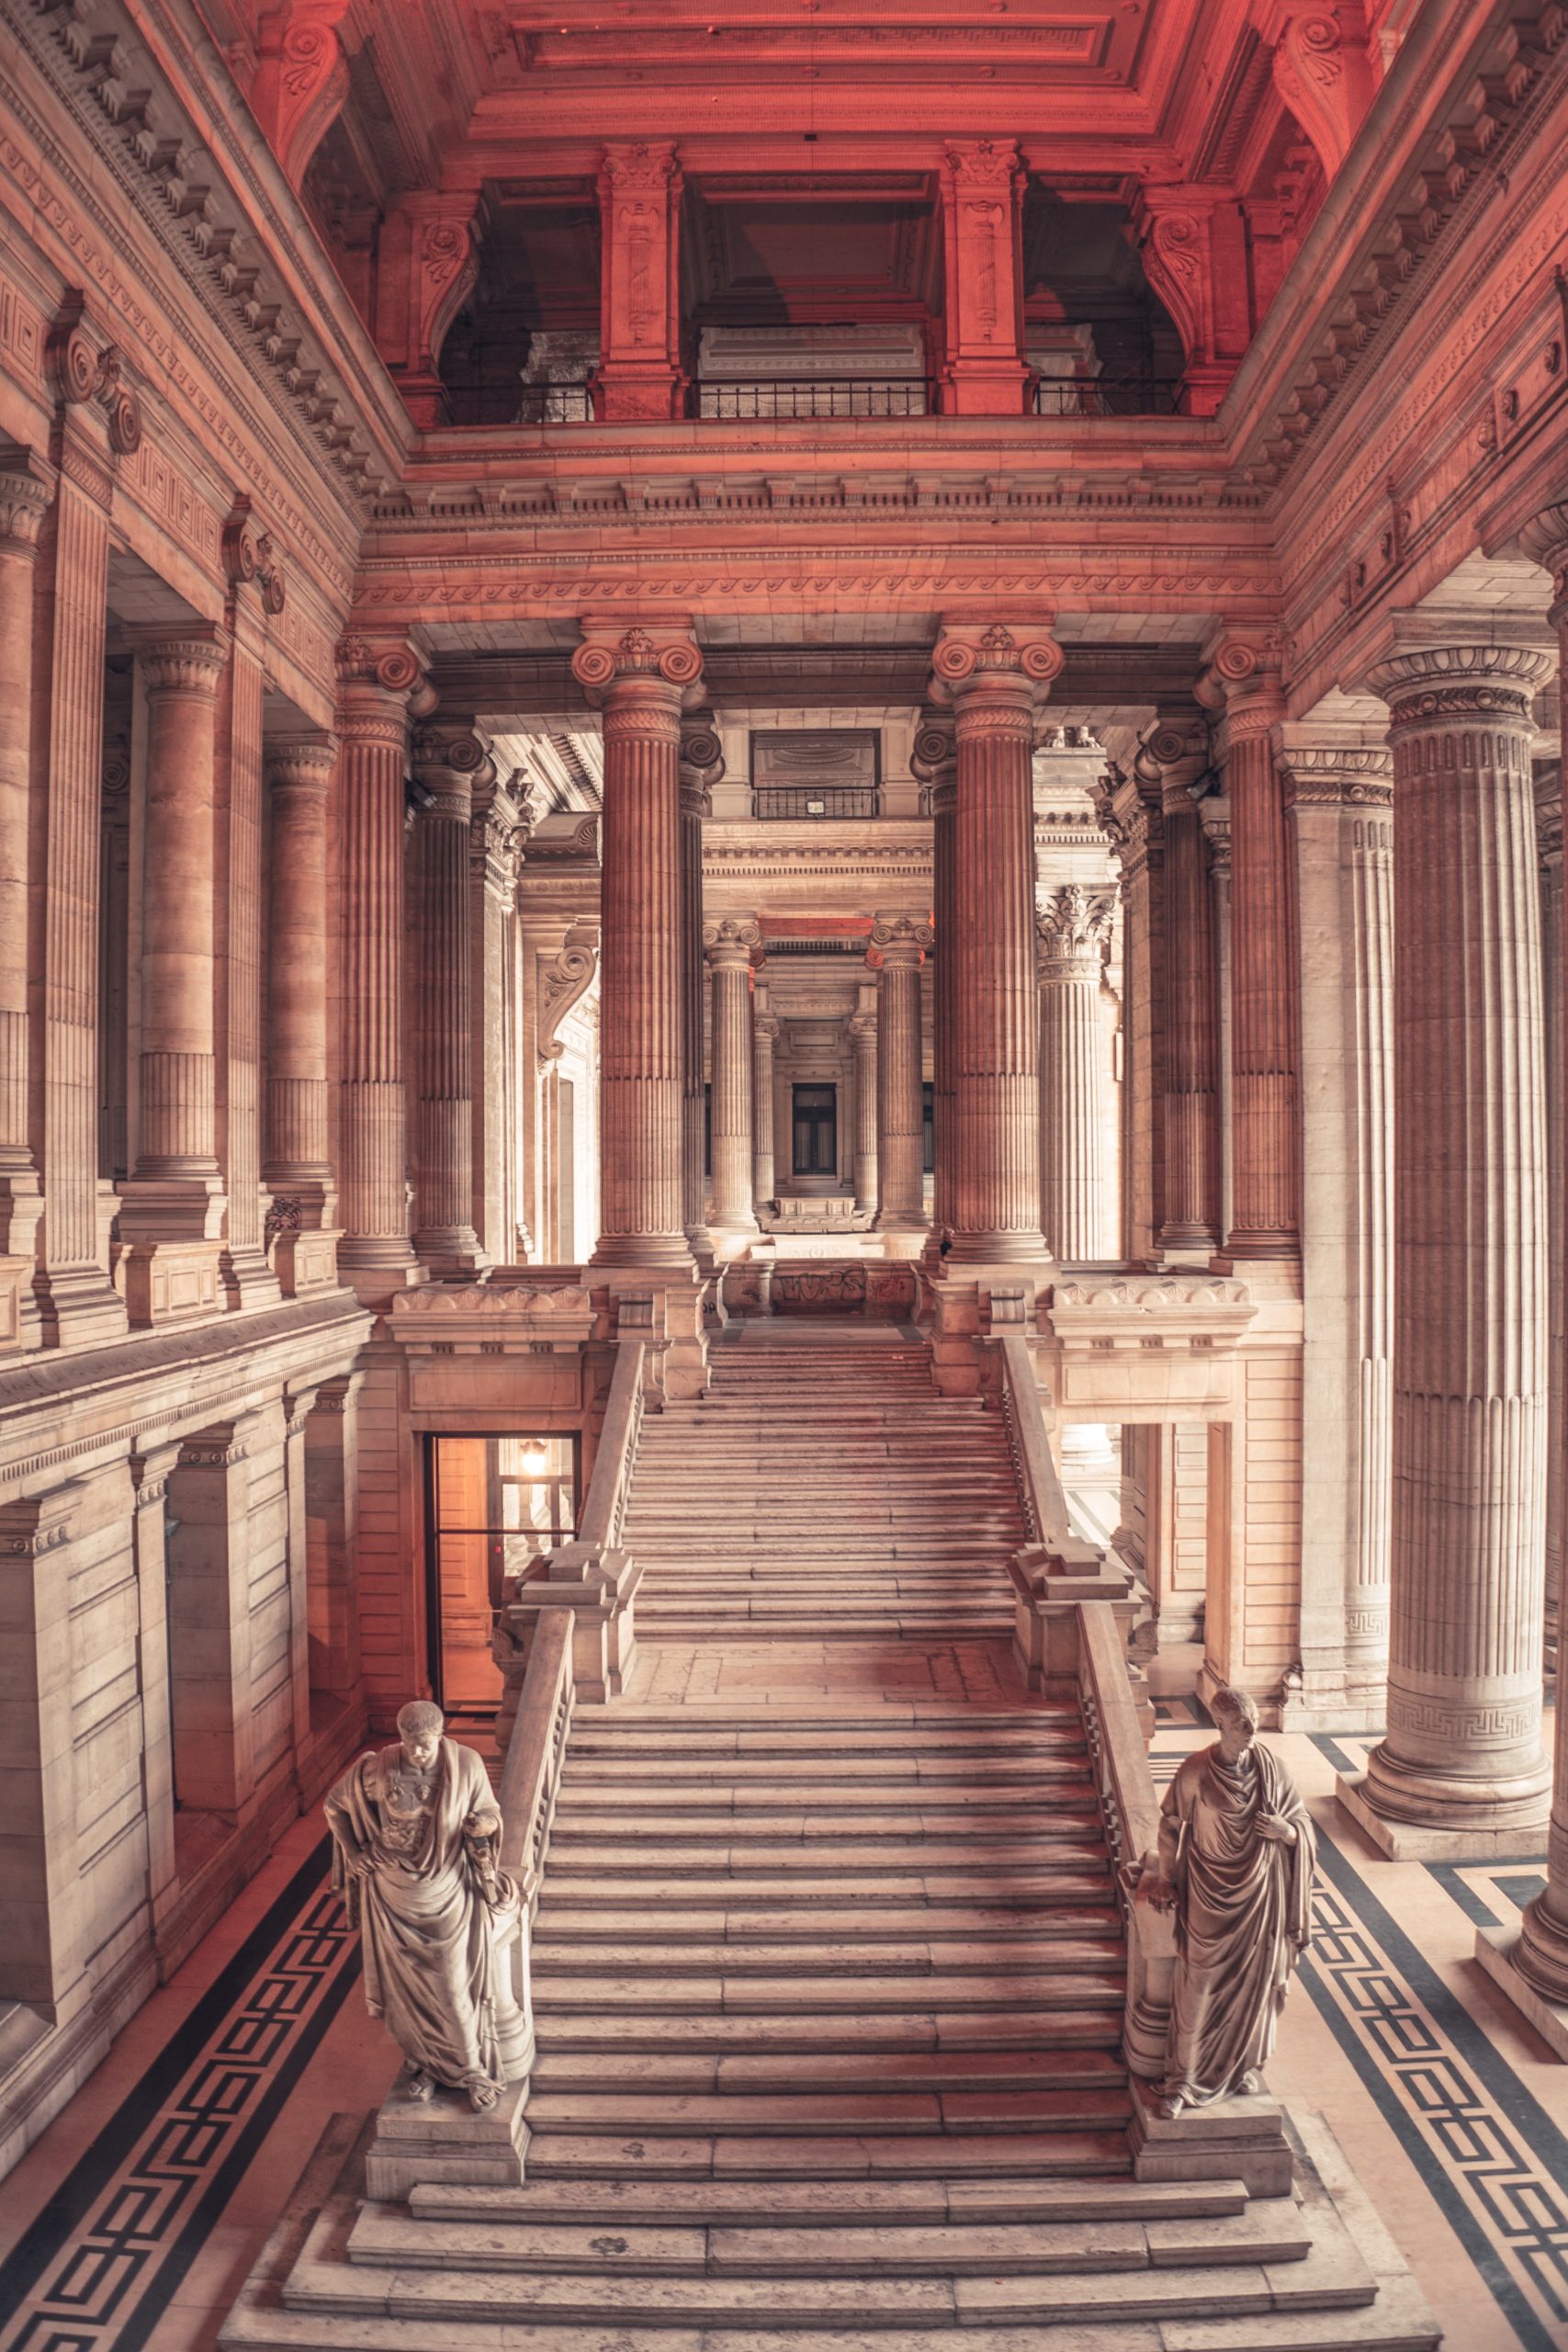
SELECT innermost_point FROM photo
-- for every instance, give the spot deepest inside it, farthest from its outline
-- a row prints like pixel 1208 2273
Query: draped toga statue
pixel 1237 1853
pixel 416 1842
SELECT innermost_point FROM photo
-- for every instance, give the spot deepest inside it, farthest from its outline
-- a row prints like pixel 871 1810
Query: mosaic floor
pixel 133 2219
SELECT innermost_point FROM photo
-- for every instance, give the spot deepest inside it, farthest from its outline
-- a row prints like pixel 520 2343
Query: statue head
pixel 1236 1718
pixel 420 1726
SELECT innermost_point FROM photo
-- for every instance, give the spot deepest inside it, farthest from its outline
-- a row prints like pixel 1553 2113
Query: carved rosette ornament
pixel 1463 1752
pixel 994 681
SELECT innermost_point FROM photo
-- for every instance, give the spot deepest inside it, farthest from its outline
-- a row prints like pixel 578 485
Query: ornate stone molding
pixel 565 979
pixel 188 663
pixel 1426 685
pixel 25 496
pixel 1326 778
pixel 249 555
pixel 1074 930
pixel 608 660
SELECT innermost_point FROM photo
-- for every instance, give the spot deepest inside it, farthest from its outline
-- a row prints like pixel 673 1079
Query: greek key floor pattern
pixel 133 2221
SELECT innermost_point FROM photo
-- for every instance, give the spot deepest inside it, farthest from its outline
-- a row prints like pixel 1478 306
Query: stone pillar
pixel 1130 811
pixel 1536 1971
pixel 1073 929
pixel 983 372
pixel 1549 846
pixel 994 683
pixel 24 501
pixel 1215 810
pixel 494 841
pixel 731 940
pixel 764 1036
pixel 702 766
pixel 1460 1772
pixel 641 684
pixel 934 760
pixel 76 1302
pixel 898 943
pixel 172 1207
pixel 446 765
pixel 246 1277
pixel 1241 682
pixel 1176 757
pixel 1340 806
pixel 862 1044
pixel 640 301
pixel 297 1168
pixel 377 690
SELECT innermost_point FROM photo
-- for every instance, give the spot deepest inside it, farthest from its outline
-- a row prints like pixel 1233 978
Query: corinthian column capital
pixel 1072 928
pixel 25 494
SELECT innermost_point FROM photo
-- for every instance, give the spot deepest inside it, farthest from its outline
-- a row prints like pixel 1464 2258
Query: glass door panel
pixel 498 1504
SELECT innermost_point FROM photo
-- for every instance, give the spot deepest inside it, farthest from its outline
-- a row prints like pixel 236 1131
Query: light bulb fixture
pixel 536 1460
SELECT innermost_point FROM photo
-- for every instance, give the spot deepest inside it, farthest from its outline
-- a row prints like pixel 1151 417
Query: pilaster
pixel 765 1036
pixel 25 493
pixel 1172 758
pixel 934 761
pixel 301 1219
pixel 639 341
pixel 702 766
pixel 862 1044
pixel 982 197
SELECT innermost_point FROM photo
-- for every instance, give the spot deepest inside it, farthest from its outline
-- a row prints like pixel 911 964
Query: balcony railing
pixel 1106 396
pixel 814 803
pixel 556 404
pixel 813 397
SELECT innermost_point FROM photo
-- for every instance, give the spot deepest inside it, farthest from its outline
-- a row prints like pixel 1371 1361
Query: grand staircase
pixel 824 1489
pixel 828 1999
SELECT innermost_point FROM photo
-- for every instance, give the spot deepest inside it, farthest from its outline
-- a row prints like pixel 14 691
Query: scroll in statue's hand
pixel 1162 1894
pixel 1271 1824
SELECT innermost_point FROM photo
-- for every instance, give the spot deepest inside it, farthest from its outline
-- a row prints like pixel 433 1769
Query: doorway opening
pixel 497 1506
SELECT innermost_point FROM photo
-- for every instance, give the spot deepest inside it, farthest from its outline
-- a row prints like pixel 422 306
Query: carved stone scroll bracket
pixel 564 980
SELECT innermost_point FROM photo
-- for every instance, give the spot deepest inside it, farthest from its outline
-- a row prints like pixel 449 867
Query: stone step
pixel 1273 2233
pixel 1023 1735
pixel 760 1856
pixel 956 1800
pixel 655 2113
pixel 737 1996
pixel 754 1778
pixel 559 2155
pixel 844 2033
pixel 709 2074
pixel 807 1895
pixel 684 1823
pixel 560 1956
pixel 1080 1908
pixel 832 2204
pixel 670 1627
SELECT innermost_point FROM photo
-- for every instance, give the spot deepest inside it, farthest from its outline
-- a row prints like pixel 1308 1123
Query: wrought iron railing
pixel 814 803
pixel 551 404
pixel 780 396
pixel 1106 396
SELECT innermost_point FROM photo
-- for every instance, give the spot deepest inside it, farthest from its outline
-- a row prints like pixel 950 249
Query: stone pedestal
pixel 1073 928
pixel 730 944
pixel 421 2142
pixel 172 1207
pixel 1461 1772
pixel 301 1221
pixel 1234 2139
pixel 641 684
pixel 994 682
pixel 897 950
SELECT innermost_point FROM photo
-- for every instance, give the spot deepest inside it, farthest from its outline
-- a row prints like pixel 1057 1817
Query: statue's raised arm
pixel 416 1852
pixel 1236 1855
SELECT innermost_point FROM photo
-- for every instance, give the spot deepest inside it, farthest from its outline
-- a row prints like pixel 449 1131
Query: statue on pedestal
pixel 1236 1854
pixel 416 1841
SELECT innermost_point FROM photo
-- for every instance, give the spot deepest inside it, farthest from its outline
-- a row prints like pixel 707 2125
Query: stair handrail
pixel 531 1773
pixel 1129 1804
pixel 604 1505
pixel 1039 1482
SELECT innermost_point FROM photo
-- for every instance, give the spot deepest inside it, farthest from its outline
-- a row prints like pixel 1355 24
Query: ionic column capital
pixel 1327 776
pixel 863 1028
pixel 388 666
pixel 1240 681
pixel 933 762
pixel 1441 668
pixel 301 766
pixel 900 940
pixel 451 763
pixel 658 669
pixel 991 679
pixel 1171 758
pixel 189 662
pixel 25 496
pixel 1072 929
pixel 1545 540
pixel 731 942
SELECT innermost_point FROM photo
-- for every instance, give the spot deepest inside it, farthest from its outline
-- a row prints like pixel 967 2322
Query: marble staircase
pixel 823 1489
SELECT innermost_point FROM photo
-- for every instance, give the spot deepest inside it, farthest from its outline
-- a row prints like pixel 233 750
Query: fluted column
pixel 934 761
pixel 731 942
pixel 1549 849
pixel 993 683
pixel 862 1044
pixel 1540 1955
pixel 1130 811
pixel 297 1167
pixel 174 1193
pixel 765 1036
pixel 702 766
pixel 898 943
pixel 1340 812
pixel 1073 929
pixel 377 690
pixel 641 684
pixel 24 501
pixel 1176 756
pixel 1462 1762
pixel 1242 682
pixel 1216 811
pixel 446 765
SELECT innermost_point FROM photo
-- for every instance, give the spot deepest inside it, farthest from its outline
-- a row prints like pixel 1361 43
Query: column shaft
pixel 764 1031
pixel 23 500
pixel 730 944
pixel 373 1144
pixel 1549 845
pixel 1191 1030
pixel 240 946
pixel 702 763
pixel 1463 1752
pixel 899 942
pixel 297 1147
pixel 1073 1073
pixel 934 761
pixel 863 1042
pixel 443 1134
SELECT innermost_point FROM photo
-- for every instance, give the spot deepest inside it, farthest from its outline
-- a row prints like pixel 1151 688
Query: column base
pixel 973 1250
pixel 1496 1951
pixel 1258 1245
pixel 1417 1841
pixel 19 1308
pixel 668 1252
pixel 732 1240
pixel 178 1208
pixel 449 1249
pixel 78 1306
pixel 903 1238
pixel 168 1282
